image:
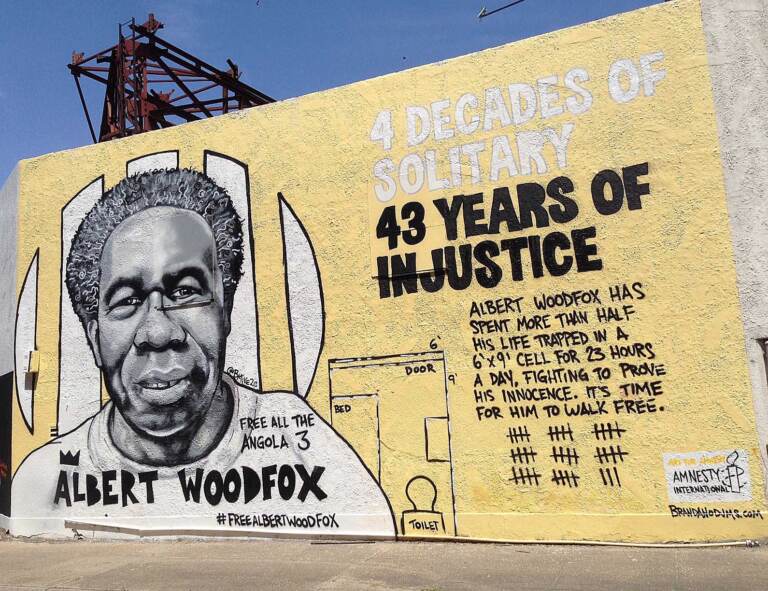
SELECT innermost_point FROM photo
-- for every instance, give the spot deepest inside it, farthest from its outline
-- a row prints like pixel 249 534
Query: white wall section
pixel 25 342
pixel 737 43
pixel 305 300
pixel 79 378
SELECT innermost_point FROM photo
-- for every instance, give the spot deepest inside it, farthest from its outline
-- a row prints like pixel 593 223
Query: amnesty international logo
pixel 719 476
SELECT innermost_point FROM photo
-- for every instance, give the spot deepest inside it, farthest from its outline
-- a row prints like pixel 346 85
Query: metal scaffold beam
pixel 152 84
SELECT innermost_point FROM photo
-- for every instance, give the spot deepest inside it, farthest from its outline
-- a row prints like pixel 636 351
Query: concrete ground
pixel 417 566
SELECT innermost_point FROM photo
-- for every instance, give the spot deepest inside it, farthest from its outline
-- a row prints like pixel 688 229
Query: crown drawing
pixel 67 458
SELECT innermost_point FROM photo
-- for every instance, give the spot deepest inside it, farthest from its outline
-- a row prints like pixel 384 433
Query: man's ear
pixel 92 332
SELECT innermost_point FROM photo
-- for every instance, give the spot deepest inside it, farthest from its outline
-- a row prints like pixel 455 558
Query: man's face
pixel 161 332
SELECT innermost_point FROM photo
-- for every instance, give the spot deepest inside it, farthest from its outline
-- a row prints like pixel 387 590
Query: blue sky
pixel 285 48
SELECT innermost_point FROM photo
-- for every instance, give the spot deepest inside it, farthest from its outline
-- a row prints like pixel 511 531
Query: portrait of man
pixel 151 275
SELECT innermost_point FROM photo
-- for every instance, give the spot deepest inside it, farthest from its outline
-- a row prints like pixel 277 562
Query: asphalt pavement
pixel 172 565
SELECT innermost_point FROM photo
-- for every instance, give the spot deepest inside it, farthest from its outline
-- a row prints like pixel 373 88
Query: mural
pixel 152 274
pixel 468 300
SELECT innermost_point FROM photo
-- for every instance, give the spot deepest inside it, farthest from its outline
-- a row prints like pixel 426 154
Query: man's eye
pixel 125 305
pixel 129 301
pixel 183 292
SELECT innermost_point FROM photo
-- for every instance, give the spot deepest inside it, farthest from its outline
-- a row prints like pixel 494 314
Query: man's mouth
pixel 159 384
pixel 163 387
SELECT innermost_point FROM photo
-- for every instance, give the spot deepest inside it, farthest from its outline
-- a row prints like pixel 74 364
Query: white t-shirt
pixel 278 468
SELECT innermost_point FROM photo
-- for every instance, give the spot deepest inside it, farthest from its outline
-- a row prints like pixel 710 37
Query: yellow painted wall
pixel 318 152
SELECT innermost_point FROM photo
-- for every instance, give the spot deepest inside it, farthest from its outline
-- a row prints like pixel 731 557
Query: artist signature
pixel 241 379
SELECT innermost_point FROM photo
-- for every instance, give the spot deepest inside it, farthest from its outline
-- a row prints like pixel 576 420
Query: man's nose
pixel 157 329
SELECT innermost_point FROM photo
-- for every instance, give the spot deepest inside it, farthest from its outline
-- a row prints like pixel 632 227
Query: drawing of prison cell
pixel 409 451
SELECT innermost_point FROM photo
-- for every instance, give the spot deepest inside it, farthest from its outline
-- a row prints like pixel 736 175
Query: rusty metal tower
pixel 152 84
